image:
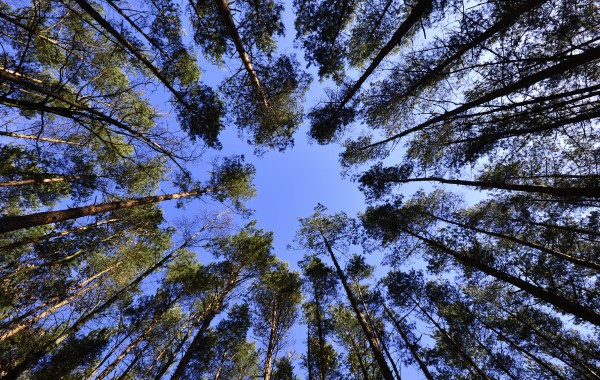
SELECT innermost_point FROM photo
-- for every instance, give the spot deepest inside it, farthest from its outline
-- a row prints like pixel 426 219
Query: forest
pixel 132 137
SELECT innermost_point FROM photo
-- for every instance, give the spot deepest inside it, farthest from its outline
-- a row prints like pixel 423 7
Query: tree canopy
pixel 471 128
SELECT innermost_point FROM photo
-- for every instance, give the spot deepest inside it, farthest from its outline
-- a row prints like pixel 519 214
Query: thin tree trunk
pixel 49 236
pixel 271 346
pixel 361 363
pixel 90 10
pixel 552 343
pixel 122 355
pixel 157 358
pixel 492 356
pixel 321 337
pixel 36 354
pixel 308 357
pixel 569 63
pixel 373 343
pixel 505 338
pixel 38 86
pixel 415 15
pixel 192 348
pixel 13 223
pixel 38 181
pixel 227 18
pixel 443 331
pixel 71 112
pixel 560 255
pixel 38 138
pixel 488 137
pixel 220 367
pixel 502 24
pixel 108 355
pixel 557 227
pixel 569 192
pixel 381 341
pixel 409 345
pixel 213 311
pixel 60 304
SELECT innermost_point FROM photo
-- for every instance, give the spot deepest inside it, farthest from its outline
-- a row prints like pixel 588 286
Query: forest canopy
pixel 471 128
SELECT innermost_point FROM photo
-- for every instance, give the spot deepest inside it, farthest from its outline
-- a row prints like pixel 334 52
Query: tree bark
pixel 13 223
pixel 568 192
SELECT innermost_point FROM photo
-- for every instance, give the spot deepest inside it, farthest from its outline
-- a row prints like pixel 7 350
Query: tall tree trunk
pixel 577 192
pixel 378 337
pixel 505 338
pixel 13 223
pixel 38 138
pixel 90 10
pixel 411 346
pixel 59 304
pixel 227 18
pixel 321 337
pixel 38 181
pixel 308 353
pixel 213 311
pixel 447 336
pixel 192 348
pixel 124 354
pixel 220 367
pixel 503 23
pixel 569 63
pixel 415 15
pixel 572 359
pixel 52 235
pixel 271 346
pixel 373 343
pixel 37 353
pixel 557 301
pixel 557 227
pixel 560 255
pixel 108 355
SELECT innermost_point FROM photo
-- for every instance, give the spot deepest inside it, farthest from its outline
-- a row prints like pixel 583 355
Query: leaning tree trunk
pixel 577 192
pixel 225 12
pixel 373 343
pixel 407 342
pixel 555 300
pixel 415 15
pixel 38 353
pixel 13 223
